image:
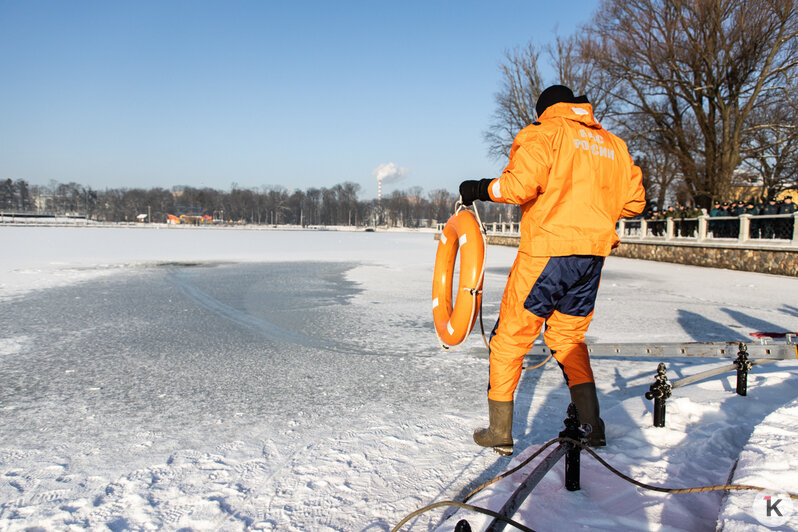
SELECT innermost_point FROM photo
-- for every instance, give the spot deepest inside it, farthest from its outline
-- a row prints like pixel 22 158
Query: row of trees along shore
pixel 704 91
pixel 273 205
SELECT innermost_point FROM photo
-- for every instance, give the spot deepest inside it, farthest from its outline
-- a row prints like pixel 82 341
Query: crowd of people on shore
pixel 726 208
pixel 724 227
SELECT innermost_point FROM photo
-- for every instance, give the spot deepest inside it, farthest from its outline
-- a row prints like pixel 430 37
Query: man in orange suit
pixel 573 180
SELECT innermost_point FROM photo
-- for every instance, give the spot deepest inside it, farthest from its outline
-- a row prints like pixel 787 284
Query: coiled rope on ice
pixel 701 489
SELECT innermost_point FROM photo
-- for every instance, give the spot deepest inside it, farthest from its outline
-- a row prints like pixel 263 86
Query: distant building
pixel 188 219
pixel 747 185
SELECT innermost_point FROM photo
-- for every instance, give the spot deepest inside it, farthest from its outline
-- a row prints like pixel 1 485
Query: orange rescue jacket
pixel 573 180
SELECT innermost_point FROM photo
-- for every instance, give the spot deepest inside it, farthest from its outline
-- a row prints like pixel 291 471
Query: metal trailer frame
pixel 780 351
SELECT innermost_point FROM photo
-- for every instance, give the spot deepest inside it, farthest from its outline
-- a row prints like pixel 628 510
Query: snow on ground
pixel 268 380
pixel 768 459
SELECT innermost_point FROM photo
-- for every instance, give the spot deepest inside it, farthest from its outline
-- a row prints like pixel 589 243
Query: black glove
pixel 471 190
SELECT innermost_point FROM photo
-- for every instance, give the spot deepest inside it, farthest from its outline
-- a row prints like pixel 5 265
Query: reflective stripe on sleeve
pixel 496 189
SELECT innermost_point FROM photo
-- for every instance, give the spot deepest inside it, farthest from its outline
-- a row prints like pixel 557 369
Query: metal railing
pixel 779 229
pixel 506 228
pixel 496 228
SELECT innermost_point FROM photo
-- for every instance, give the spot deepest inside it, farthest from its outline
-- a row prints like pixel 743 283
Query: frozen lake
pixel 213 379
pixel 182 352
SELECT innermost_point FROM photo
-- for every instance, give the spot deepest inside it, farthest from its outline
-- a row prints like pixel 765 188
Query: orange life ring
pixel 462 232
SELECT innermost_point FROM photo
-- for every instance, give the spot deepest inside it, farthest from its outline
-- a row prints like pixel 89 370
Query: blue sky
pixel 297 94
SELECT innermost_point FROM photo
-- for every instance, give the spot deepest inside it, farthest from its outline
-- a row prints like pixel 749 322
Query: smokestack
pixel 390 173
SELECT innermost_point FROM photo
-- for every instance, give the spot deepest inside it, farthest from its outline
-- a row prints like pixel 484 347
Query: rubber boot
pixel 587 406
pixel 499 434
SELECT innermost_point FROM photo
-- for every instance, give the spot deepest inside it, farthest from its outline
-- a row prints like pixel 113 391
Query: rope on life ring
pixel 463 232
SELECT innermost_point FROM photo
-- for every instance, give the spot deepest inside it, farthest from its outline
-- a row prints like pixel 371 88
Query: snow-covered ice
pixel 291 380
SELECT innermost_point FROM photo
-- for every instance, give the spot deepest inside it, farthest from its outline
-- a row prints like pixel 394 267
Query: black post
pixel 743 367
pixel 659 391
pixel 572 454
pixel 462 526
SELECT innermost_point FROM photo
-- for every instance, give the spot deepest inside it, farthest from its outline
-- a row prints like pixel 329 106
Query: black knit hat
pixel 557 94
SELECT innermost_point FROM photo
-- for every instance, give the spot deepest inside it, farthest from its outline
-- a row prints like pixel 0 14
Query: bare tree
pixel 441 203
pixel 583 75
pixel 7 194
pixel 660 171
pixel 312 209
pixel 515 102
pixel 23 198
pixel 347 198
pixel 522 83
pixel 397 209
pixel 771 149
pixel 695 70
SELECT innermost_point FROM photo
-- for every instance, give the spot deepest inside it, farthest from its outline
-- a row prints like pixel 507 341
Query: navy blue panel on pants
pixel 568 285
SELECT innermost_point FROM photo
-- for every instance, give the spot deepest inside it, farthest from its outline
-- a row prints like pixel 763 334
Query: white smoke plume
pixel 390 173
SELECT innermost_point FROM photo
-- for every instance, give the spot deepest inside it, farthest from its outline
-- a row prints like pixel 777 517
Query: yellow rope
pixel 524 368
pixel 513 470
pixel 702 489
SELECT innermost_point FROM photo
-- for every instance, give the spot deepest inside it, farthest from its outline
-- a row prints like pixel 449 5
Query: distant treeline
pixel 337 205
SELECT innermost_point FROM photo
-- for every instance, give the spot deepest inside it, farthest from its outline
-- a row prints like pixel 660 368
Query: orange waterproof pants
pixel 558 291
